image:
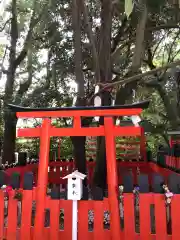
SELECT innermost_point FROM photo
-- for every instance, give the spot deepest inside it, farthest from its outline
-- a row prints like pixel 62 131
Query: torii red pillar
pixel 42 179
pixel 112 177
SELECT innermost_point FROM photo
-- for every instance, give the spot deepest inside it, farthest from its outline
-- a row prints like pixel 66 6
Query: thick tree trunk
pixel 100 173
pixel 106 75
pixel 79 153
pixel 9 139
pixel 79 142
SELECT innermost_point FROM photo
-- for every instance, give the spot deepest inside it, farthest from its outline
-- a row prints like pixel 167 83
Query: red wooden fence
pixel 173 162
pixel 57 170
pixel 146 221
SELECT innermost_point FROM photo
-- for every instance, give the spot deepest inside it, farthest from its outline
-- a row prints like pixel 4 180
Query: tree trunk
pixel 106 75
pixel 9 139
pixel 100 173
pixel 79 153
pixel 79 142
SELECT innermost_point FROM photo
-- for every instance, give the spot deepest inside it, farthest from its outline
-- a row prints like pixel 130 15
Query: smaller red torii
pixel 109 130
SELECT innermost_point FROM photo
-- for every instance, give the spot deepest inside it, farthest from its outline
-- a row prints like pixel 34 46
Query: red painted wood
pixel 75 113
pixel 112 180
pixel 145 221
pixel 175 209
pixel 59 149
pixel 46 233
pixel 83 207
pixel 77 122
pixel 129 223
pixel 58 171
pixel 160 216
pixel 67 167
pixel 54 219
pixel 67 206
pixel 12 217
pixel 98 220
pixel 90 131
pixel 1 214
pixel 26 215
pixel 42 180
pixel 143 145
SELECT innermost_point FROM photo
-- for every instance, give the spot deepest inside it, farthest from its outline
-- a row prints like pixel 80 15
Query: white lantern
pixel 75 186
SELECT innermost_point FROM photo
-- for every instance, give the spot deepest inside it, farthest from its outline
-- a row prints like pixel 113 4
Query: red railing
pixel 173 162
pixel 152 222
pixel 57 170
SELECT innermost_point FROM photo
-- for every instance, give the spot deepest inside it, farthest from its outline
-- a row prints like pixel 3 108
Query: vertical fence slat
pixel 175 210
pixel 83 208
pixel 160 216
pixel 129 223
pixel 67 206
pixel 98 220
pixel 145 221
pixel 25 230
pixel 1 214
pixel 54 219
pixel 12 217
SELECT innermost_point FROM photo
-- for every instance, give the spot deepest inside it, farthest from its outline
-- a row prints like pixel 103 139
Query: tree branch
pixel 12 54
pixel 76 23
pixel 14 34
pixel 149 60
pixel 25 85
pixel 140 76
pixel 33 22
pixel 92 42
pixel 105 41
pixel 165 27
pixel 132 39
pixel 3 27
pixel 117 38
pixel 139 44
pixel 46 85
pixel 172 45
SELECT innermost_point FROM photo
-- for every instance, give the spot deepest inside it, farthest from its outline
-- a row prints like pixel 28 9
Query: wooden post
pixel 143 145
pixel 42 179
pixel 112 178
pixel 59 149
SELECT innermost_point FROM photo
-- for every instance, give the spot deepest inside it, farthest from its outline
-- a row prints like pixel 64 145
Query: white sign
pixel 136 119
pixel 75 185
pixel 75 193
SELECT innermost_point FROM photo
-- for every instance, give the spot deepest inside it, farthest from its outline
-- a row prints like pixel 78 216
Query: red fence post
pixel 112 178
pixel 42 179
pixel 143 145
pixel 59 149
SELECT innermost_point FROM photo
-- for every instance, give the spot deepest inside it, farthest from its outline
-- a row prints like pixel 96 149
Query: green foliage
pixel 53 36
pixel 128 7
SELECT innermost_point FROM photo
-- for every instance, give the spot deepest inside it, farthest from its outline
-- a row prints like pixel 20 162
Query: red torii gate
pixel 109 130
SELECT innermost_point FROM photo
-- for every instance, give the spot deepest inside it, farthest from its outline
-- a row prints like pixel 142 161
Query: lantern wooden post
pixel 112 178
pixel 42 179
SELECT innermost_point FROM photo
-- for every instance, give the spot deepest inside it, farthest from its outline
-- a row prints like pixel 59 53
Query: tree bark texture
pixel 100 173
